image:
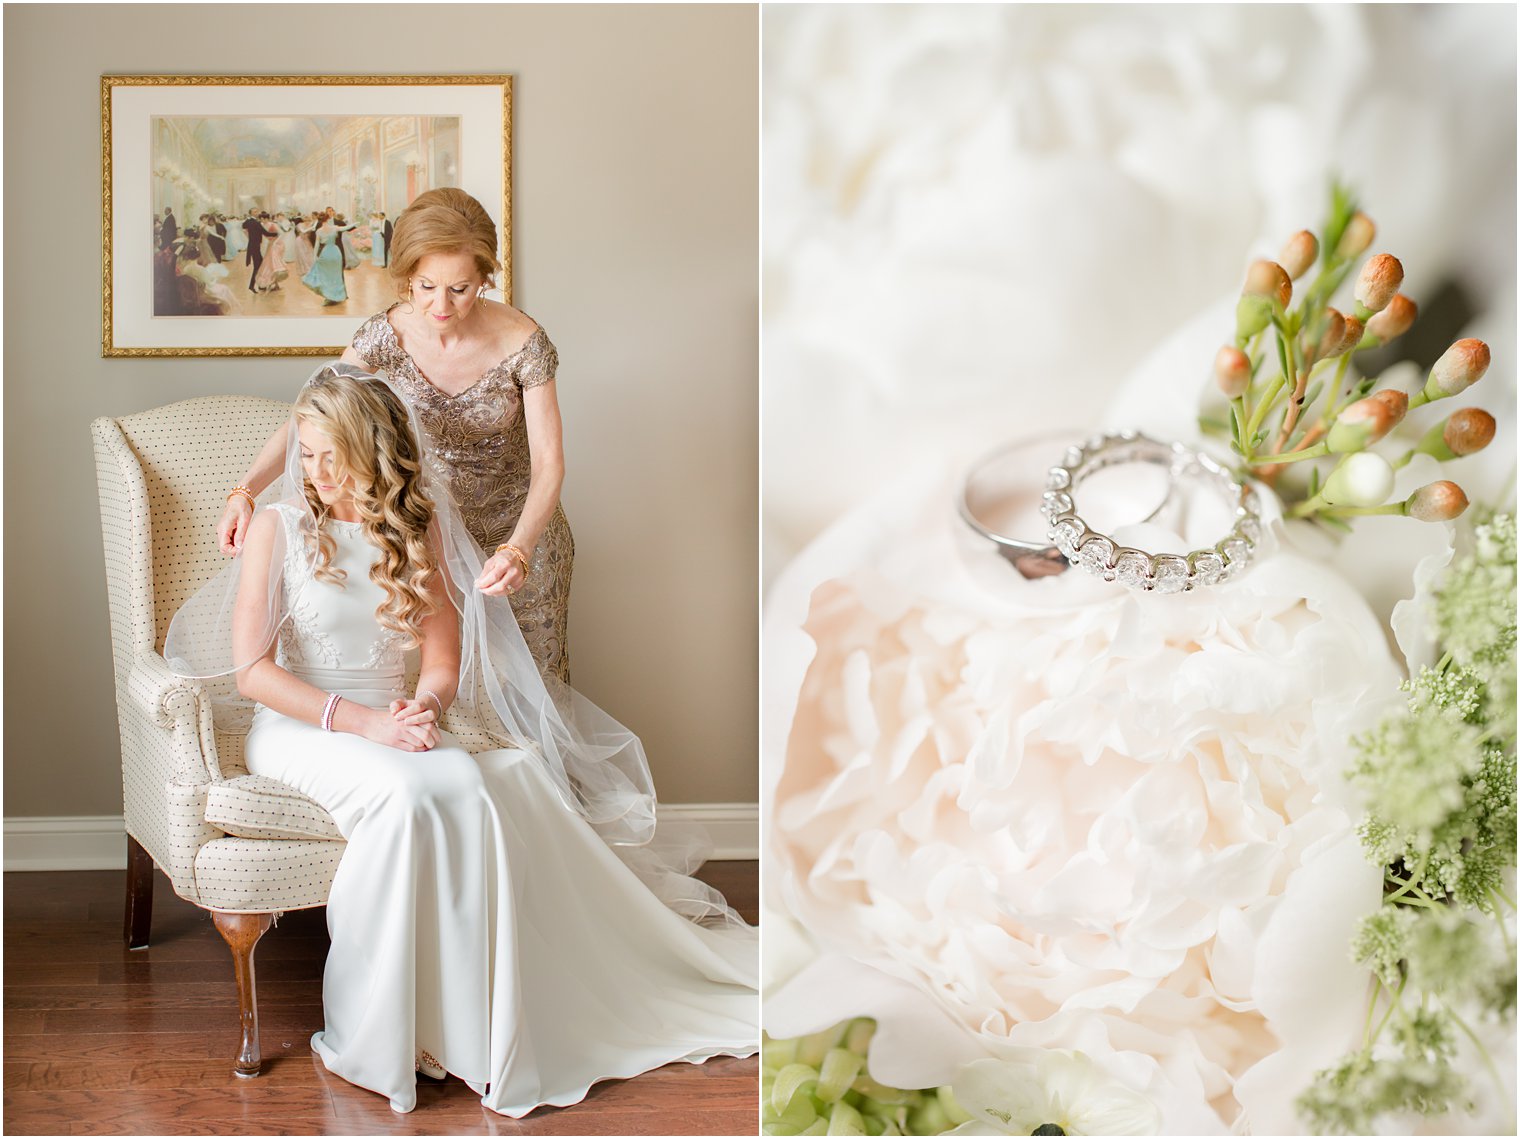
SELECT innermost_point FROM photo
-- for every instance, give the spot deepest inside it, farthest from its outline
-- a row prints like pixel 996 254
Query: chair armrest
pixel 163 694
pixel 179 705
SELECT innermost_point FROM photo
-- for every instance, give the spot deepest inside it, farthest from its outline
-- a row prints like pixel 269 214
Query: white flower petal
pixel 915 1045
pixel 1006 1093
pixel 1305 983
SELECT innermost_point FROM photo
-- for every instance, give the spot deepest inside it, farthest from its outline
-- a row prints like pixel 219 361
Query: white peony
pixel 1066 816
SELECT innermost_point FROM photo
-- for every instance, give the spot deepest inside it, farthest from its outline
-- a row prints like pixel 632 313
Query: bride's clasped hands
pixel 412 724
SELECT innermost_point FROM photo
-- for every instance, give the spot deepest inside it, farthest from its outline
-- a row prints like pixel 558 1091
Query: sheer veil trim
pixel 597 765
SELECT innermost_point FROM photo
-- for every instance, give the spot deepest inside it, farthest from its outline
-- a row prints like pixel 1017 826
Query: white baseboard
pixel 66 842
pixel 734 828
pixel 96 842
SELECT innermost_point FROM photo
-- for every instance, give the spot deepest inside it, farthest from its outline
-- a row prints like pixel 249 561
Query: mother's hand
pixel 501 574
pixel 233 527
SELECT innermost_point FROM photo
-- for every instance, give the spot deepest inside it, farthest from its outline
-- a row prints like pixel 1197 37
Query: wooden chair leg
pixel 139 908
pixel 242 933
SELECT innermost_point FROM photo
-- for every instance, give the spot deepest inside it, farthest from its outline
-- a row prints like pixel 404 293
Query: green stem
pixel 1386 508
pixel 1411 883
pixel 1488 1061
pixel 1498 917
pixel 1395 1002
pixel 1400 463
pixel 1420 898
pixel 1399 1008
pixel 1340 379
pixel 1318 451
pixel 1377 989
pixel 1308 506
pixel 1253 425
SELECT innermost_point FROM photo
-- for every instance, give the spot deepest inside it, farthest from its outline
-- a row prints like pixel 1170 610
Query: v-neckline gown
pixel 480 449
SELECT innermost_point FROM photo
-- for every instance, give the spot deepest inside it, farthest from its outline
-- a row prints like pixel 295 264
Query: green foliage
pixel 1439 782
pixel 1414 768
pixel 1342 206
pixel 1380 943
pixel 818 1085
pixel 1415 1078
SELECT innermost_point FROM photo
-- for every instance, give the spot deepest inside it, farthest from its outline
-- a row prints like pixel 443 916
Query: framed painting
pixel 249 215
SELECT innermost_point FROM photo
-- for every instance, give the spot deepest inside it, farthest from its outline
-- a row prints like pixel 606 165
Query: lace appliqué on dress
pixel 540 361
pixel 302 639
pixel 387 650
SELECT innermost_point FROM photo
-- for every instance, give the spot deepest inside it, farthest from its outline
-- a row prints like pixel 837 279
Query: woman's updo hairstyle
pixel 446 220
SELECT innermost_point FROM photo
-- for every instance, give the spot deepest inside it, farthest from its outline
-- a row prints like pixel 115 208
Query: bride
pixel 502 917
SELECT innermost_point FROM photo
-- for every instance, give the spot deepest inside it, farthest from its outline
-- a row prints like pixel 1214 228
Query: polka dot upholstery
pixel 265 875
pixel 253 806
pixel 163 477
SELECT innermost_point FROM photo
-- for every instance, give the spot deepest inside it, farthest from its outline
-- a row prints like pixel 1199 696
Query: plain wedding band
pixel 1033 557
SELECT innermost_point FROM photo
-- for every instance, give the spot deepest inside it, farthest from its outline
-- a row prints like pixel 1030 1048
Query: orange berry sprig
pixel 1304 409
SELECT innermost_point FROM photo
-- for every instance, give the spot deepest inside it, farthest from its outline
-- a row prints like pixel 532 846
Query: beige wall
pixel 636 174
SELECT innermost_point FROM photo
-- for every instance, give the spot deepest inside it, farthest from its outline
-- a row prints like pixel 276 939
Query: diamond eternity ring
pixel 1099 554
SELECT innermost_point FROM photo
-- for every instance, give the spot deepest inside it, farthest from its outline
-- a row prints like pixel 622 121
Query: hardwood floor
pixel 103 1041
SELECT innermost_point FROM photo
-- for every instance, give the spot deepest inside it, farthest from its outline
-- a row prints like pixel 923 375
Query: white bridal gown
pixel 478 926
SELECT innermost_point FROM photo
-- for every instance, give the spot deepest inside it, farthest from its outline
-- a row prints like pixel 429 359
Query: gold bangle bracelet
pixel 247 494
pixel 521 557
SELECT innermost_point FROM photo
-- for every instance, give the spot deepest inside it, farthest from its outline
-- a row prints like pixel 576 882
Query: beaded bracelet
pixel 330 710
pixel 246 493
pixel 429 692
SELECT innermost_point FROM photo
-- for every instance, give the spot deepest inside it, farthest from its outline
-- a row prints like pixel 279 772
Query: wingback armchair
pixel 243 847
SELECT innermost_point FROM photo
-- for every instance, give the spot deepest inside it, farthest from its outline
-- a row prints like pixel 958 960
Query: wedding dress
pixel 479 926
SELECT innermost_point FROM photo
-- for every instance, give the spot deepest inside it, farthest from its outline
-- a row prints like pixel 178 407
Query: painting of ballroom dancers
pixel 328 277
pixel 181 284
pixel 286 217
pixel 271 268
pixel 379 239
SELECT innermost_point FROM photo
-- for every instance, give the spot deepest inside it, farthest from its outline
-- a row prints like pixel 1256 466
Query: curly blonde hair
pixel 446 220
pixel 378 452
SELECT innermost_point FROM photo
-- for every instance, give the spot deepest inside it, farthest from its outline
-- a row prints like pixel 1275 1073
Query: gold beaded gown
pixel 480 441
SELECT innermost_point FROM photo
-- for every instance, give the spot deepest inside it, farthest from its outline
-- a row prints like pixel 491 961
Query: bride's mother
pixel 481 377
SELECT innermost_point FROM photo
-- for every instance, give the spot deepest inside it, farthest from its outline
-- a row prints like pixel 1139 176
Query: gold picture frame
pixel 144 311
